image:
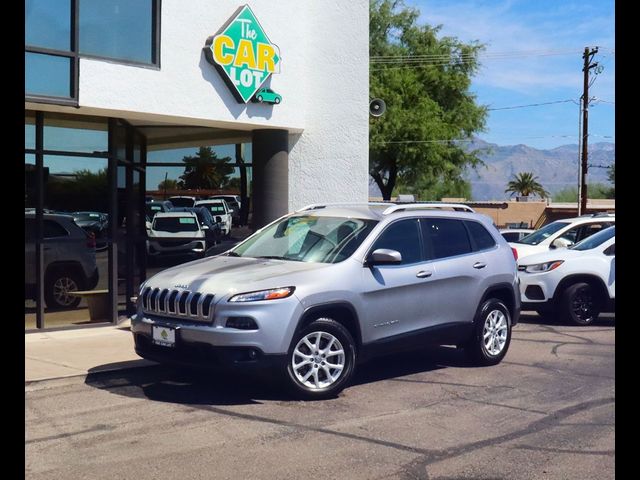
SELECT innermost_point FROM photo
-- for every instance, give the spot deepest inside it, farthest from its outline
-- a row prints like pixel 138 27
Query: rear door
pixel 456 286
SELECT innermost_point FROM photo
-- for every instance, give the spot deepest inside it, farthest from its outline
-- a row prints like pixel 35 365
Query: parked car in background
pixel 69 260
pixel 574 283
pixel 219 207
pixel 233 203
pixel 176 233
pixel 153 207
pixel 515 234
pixel 182 201
pixel 562 233
pixel 317 291
pixel 210 224
pixel 95 222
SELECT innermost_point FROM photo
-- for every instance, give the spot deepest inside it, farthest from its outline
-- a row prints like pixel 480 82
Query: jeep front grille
pixel 177 303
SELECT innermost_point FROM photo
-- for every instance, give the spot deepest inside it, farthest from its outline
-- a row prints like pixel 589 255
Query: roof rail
pixel 459 207
pixel 318 206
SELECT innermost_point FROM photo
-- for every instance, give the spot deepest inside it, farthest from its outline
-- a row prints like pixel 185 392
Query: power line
pixel 531 105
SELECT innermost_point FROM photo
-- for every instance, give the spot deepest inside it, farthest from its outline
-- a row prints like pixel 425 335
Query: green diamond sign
pixel 244 56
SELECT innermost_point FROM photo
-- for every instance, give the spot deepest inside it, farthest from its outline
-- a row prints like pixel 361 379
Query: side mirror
pixel 218 219
pixel 383 256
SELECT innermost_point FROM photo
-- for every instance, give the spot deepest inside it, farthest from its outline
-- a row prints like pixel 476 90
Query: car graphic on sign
pixel 266 95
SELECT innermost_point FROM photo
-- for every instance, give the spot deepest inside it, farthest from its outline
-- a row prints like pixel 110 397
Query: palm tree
pixel 525 184
pixel 205 170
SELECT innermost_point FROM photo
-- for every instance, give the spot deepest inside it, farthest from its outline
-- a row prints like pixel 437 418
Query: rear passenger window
pixel 54 229
pixel 403 237
pixel 481 238
pixel 444 237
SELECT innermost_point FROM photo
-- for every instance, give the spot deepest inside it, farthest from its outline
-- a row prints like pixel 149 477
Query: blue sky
pixel 551 35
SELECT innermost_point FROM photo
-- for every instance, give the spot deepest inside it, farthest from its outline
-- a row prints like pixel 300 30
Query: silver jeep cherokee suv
pixel 318 291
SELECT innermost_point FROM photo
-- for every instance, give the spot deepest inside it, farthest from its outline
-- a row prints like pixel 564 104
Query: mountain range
pixel 556 168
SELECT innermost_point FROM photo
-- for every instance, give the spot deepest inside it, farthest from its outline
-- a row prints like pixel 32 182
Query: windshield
pixel 540 235
pixel 175 224
pixel 595 240
pixel 86 216
pixel 308 238
pixel 215 208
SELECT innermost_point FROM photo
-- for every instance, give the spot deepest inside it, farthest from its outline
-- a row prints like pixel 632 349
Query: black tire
pixel 476 349
pixel 330 328
pixel 277 100
pixel 580 304
pixel 259 98
pixel 57 283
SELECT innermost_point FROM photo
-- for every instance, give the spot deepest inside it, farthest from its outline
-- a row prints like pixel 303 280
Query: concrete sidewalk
pixel 69 353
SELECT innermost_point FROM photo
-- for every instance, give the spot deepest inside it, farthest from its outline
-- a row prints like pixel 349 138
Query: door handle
pixel 424 274
pixel 479 265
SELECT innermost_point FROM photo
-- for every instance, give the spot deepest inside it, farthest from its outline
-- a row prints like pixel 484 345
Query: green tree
pixel 525 184
pixel 424 80
pixel 611 176
pixel 168 184
pixel 596 190
pixel 205 170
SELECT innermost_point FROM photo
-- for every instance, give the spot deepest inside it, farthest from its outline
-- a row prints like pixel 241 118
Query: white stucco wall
pixel 323 82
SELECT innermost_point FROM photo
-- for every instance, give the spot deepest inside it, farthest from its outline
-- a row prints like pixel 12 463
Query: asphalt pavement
pixel 546 412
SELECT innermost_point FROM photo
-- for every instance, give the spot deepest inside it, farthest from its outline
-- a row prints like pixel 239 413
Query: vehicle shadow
pixel 532 318
pixel 210 387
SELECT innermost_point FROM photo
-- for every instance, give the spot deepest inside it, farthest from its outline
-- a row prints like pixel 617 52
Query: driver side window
pixel 403 237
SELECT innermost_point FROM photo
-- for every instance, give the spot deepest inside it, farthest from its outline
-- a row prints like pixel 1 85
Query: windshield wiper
pixel 233 254
pixel 277 257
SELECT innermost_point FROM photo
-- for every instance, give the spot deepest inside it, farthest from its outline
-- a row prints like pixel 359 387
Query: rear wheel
pixel 492 334
pixel 58 287
pixel 321 360
pixel 580 304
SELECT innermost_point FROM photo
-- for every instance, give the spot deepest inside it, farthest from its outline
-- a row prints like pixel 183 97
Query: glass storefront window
pixel 71 134
pixel 48 24
pixel 121 29
pixel 75 251
pixel 48 75
pixel 29 130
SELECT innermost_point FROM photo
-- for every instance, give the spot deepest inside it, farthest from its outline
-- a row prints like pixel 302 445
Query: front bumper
pixel 193 247
pixel 204 355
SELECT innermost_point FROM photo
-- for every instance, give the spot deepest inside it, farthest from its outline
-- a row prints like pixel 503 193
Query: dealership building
pixel 132 100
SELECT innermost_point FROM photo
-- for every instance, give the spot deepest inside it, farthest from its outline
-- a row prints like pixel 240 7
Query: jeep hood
pixel 223 275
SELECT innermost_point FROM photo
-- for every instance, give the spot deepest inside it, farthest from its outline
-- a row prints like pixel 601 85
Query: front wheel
pixel 580 304
pixel 321 360
pixel 259 98
pixel 492 333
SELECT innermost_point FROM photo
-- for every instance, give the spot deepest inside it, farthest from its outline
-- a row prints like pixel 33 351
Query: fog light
pixel 242 323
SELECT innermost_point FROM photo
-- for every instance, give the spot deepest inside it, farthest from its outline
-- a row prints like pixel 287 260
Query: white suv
pixel 562 233
pixel 218 207
pixel 574 283
pixel 176 233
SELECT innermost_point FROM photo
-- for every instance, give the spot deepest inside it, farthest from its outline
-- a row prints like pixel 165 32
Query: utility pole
pixel 588 57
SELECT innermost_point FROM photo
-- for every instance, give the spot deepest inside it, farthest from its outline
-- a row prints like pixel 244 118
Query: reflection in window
pixel 48 75
pixel 30 182
pixel 71 134
pixel 29 130
pixel 121 29
pixel 75 184
pixel 48 24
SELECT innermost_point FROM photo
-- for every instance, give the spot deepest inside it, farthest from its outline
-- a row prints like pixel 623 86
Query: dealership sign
pixel 243 54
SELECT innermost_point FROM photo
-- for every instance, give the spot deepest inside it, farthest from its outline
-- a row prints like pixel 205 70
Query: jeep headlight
pixel 271 294
pixel 543 267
